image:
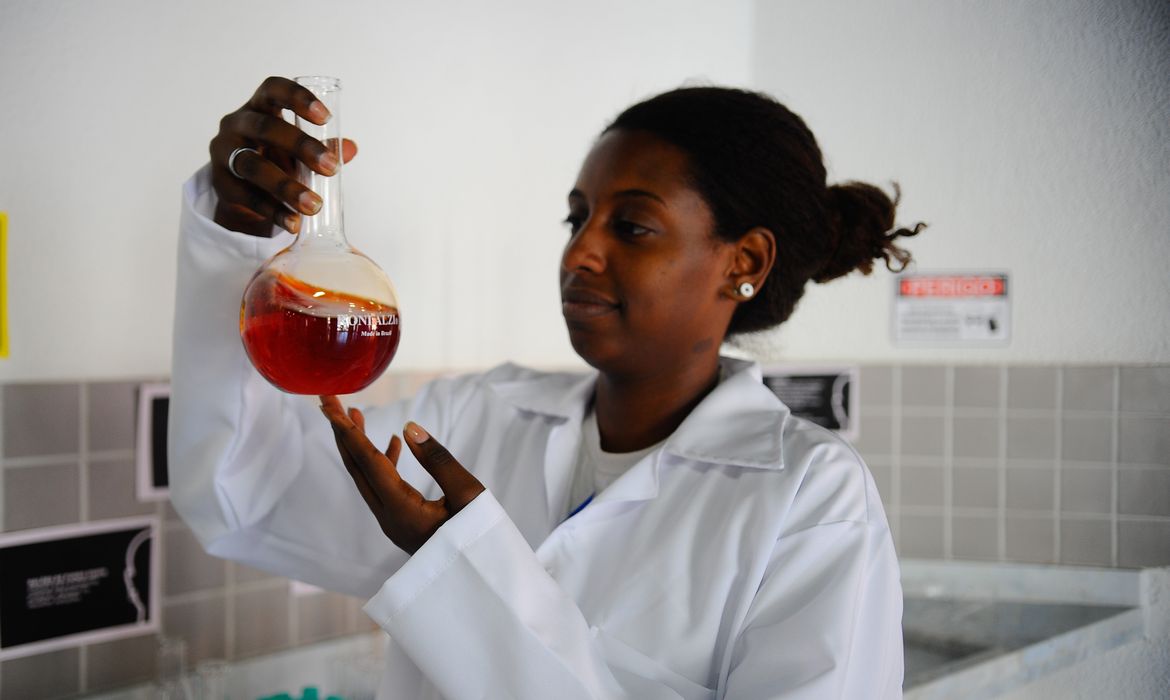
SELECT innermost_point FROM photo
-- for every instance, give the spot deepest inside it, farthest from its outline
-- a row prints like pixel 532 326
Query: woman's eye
pixel 628 228
pixel 573 222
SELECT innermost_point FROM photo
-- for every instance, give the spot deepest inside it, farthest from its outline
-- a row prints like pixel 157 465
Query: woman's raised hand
pixel 405 516
pixel 267 191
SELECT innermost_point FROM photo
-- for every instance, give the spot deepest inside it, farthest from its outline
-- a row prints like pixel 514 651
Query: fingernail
pixel 292 223
pixel 310 203
pixel 415 432
pixel 328 161
pixel 318 112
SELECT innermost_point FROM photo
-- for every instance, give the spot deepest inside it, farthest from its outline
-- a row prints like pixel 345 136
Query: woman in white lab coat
pixel 660 527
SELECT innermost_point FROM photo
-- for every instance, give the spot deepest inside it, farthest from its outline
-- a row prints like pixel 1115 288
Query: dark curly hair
pixel 757 164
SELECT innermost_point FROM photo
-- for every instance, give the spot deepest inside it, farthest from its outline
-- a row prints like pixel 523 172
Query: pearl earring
pixel 746 290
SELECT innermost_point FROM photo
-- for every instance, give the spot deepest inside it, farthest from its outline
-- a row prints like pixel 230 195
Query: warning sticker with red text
pixel 964 308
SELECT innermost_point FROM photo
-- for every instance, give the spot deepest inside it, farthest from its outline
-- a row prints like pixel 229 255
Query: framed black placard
pixel 153 405
pixel 828 396
pixel 78 584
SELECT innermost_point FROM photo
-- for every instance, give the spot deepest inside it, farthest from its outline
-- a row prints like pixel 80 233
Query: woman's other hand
pixel 267 191
pixel 405 516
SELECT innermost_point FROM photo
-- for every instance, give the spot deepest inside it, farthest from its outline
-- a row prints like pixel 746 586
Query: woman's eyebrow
pixel 640 193
pixel 577 194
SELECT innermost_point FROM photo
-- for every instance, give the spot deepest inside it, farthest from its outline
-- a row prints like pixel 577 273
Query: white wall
pixel 1033 136
pixel 472 119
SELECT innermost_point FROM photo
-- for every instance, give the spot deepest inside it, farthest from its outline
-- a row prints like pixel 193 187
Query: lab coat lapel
pixel 639 483
pixel 562 398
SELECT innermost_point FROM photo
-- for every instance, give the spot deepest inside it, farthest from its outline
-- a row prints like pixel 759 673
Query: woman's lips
pixel 581 304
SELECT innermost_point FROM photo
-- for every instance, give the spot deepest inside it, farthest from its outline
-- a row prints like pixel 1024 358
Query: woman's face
pixel 644 280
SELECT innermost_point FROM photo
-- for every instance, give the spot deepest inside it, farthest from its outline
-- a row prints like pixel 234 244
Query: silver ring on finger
pixel 232 159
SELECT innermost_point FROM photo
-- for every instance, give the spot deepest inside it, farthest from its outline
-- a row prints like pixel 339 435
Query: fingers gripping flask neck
pixel 319 317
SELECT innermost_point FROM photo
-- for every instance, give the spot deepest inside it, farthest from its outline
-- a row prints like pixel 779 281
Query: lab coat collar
pixel 739 423
pixel 558 395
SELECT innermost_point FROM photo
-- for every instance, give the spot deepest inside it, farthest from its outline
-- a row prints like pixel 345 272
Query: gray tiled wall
pixel 67 456
pixel 1065 465
pixel 1028 464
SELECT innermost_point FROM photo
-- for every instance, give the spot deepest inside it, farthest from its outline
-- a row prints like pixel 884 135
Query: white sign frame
pixel 897 301
pixel 146 489
pixel 852 430
pixel 61 532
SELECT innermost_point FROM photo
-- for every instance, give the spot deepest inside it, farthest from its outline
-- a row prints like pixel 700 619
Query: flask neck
pixel 325 229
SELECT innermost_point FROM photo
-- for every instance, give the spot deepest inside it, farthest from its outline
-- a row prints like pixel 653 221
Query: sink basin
pixel 943 636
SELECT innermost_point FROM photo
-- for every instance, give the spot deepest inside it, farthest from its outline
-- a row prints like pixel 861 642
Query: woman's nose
pixel 586 249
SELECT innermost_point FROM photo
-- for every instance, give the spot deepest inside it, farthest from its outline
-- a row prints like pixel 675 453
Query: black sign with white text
pixel 825 397
pixel 61 586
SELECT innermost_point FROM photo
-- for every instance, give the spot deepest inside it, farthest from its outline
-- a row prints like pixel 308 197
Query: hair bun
pixel 863 217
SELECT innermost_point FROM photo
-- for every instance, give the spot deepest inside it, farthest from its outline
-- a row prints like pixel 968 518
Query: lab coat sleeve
pixel 253 471
pixel 478 614
pixel 826 621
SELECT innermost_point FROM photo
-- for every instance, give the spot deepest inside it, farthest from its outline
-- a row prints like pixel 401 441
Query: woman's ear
pixel 754 255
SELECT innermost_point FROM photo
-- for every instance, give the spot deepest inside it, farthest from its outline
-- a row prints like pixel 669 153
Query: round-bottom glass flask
pixel 320 317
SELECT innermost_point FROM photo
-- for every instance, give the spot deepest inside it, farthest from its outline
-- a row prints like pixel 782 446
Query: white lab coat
pixel 747 558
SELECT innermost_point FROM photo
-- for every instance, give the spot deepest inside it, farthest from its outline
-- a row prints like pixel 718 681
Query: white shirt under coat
pixel 746 558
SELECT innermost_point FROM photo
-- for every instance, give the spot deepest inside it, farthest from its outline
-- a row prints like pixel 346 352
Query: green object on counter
pixel 308 693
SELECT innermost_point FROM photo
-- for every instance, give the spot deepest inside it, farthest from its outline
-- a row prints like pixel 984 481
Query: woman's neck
pixel 634 413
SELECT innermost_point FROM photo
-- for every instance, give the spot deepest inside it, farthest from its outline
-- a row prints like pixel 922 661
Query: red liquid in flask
pixel 307 340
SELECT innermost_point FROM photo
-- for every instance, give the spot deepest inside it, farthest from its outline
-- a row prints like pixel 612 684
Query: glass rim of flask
pixel 319 83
